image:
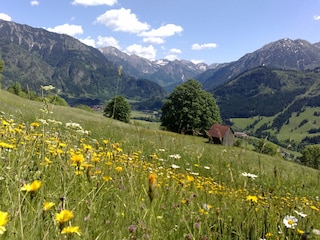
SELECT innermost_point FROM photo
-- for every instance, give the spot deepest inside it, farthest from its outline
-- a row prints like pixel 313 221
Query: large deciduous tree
pixel 311 156
pixel 189 109
pixel 118 108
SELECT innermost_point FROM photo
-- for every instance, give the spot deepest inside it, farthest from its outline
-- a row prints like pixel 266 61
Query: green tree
pixel 189 109
pixel 311 156
pixel 118 108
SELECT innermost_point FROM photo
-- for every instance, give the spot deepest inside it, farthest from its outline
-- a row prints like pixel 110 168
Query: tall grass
pixel 122 181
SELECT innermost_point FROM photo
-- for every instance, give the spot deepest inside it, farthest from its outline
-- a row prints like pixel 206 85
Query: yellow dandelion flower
pixel 63 216
pixel 4 217
pixel 107 178
pixel 35 124
pixel 300 231
pixel 47 206
pixel 314 208
pixel 77 159
pixel 252 198
pixel 190 178
pixel 33 187
pixel 269 235
pixel 71 229
pixel 119 169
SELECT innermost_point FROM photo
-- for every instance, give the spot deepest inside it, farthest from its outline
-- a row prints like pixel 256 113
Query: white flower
pixel 249 175
pixel 206 167
pixel 175 156
pixel 301 214
pixel 316 231
pixel 47 88
pixel 290 221
pixel 175 166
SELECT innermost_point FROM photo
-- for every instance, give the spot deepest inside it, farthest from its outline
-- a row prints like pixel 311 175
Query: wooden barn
pixel 221 134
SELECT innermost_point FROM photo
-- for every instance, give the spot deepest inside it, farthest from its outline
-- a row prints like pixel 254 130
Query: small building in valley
pixel 221 134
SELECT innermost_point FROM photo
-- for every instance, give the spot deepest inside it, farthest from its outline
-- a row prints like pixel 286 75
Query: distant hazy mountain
pixel 167 74
pixel 35 57
pixel 283 54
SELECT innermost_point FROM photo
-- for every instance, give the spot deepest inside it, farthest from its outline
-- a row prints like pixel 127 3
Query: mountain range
pixel 35 57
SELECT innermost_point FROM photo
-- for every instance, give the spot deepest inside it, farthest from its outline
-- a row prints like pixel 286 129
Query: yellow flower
pixel 77 158
pixel 2 230
pixel 119 169
pixel 4 217
pixel 252 198
pixel 47 206
pixel 63 216
pixel 33 187
pixel 107 178
pixel 314 208
pixel 35 124
pixel 300 231
pixel 190 178
pixel 70 230
pixel 152 186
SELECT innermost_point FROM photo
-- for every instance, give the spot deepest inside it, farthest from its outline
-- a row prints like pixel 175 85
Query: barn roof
pixel 218 130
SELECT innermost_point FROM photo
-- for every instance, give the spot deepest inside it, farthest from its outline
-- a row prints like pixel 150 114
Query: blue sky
pixel 210 31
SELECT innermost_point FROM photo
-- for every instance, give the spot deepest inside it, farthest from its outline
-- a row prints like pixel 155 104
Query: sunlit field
pixel 60 180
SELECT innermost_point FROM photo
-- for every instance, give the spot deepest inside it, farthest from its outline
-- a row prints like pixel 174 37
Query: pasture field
pixel 70 174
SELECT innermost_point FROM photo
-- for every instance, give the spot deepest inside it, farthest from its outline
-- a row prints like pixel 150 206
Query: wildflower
pixel 252 198
pixel 35 124
pixel 152 186
pixel 77 159
pixel 249 175
pixel 119 169
pixel 47 206
pixel 190 178
pixel 316 231
pixel 175 156
pixel 175 166
pixel 314 208
pixel 70 230
pixel 300 231
pixel 301 214
pixel 107 178
pixel 33 187
pixel 63 216
pixel 4 217
pixel 290 221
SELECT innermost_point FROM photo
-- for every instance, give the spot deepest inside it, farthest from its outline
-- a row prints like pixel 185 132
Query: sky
pixel 210 31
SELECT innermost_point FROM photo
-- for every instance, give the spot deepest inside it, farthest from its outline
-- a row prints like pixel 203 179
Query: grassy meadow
pixel 70 174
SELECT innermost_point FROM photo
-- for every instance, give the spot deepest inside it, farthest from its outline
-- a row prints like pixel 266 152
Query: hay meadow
pixel 70 174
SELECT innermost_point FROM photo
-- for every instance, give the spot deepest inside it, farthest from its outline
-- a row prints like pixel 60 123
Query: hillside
pixel 283 104
pixel 112 180
pixel 36 57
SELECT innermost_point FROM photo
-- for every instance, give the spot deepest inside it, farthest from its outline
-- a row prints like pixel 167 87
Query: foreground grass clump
pixel 57 182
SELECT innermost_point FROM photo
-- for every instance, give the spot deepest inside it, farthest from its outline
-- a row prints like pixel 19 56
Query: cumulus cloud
pixel 146 52
pixel 122 20
pixel 163 31
pixel 175 50
pixel 5 17
pixel 198 46
pixel 34 3
pixel 107 41
pixel 69 29
pixel 153 40
pixel 94 2
pixel 88 41
pixel 316 17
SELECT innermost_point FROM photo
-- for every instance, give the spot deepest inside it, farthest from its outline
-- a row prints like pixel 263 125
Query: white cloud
pixel 145 52
pixel 171 57
pixel 34 3
pixel 94 2
pixel 316 17
pixel 122 20
pixel 153 40
pixel 88 41
pixel 175 50
pixel 66 28
pixel 198 46
pixel 107 41
pixel 5 17
pixel 163 31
